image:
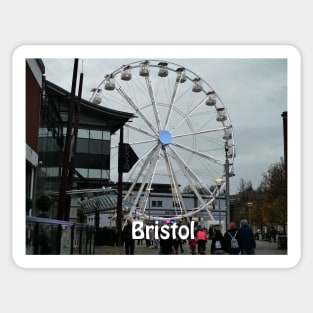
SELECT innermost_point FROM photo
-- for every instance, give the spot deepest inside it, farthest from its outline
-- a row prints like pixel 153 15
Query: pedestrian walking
pixel 232 239
pixel 166 244
pixel 139 241
pixel 151 238
pixel 147 237
pixel 178 243
pixel 273 234
pixel 192 244
pixel 247 242
pixel 129 242
pixel 201 240
pixel 218 243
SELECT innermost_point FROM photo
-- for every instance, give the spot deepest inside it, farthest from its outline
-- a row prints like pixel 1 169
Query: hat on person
pixel 232 225
pixel 243 222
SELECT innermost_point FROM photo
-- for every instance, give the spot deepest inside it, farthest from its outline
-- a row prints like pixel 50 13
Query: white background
pixel 163 22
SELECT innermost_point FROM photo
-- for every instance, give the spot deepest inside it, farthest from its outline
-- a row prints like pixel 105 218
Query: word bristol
pixel 183 231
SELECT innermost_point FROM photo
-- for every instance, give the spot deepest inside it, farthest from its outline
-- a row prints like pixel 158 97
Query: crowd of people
pixel 236 240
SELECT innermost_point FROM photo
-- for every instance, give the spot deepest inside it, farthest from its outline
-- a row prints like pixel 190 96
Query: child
pixel 192 243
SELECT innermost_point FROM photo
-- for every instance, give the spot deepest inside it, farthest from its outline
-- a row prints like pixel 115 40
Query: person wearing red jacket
pixel 201 240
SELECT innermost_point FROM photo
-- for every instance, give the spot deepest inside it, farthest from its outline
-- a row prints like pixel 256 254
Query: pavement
pixel 262 248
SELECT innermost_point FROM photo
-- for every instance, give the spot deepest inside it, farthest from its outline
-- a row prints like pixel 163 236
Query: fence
pixel 48 236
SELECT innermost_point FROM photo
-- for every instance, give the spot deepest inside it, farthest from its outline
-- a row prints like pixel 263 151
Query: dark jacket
pixel 218 237
pixel 127 233
pixel 228 237
pixel 246 240
pixel 166 245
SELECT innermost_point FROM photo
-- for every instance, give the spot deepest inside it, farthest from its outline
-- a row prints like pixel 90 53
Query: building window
pixel 82 145
pixel 95 146
pixel 94 173
pixel 96 134
pixel 82 133
pixel 157 204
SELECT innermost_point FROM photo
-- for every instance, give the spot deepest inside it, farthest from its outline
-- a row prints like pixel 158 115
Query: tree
pixel 245 195
pixel 274 195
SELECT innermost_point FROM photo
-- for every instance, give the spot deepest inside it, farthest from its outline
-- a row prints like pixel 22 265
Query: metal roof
pixel 91 114
pixel 103 203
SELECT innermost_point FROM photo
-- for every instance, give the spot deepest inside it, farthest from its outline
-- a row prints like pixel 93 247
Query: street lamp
pixel 227 184
pixel 219 182
pixel 250 205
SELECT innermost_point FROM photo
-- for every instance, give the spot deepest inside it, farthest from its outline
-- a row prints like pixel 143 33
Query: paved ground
pixel 262 248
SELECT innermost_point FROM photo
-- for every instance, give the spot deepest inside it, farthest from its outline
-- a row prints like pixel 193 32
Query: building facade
pixel 47 114
pixel 33 98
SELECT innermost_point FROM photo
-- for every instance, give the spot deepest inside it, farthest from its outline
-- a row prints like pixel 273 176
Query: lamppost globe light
pixel 250 205
pixel 219 181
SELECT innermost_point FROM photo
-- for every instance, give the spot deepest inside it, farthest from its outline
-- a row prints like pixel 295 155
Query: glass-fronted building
pixel 47 112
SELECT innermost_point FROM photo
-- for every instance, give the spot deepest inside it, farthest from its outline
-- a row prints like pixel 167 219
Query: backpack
pixel 218 244
pixel 234 242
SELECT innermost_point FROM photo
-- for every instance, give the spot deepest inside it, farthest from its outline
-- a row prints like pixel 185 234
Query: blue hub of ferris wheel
pixel 165 137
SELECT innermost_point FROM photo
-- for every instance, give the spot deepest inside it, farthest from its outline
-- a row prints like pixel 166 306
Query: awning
pixel 103 203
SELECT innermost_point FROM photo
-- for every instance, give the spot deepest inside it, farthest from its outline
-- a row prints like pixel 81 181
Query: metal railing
pixel 49 236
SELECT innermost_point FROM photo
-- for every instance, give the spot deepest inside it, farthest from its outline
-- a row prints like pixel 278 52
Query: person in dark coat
pixel 218 243
pixel 232 232
pixel 246 240
pixel 273 234
pixel 166 244
pixel 128 238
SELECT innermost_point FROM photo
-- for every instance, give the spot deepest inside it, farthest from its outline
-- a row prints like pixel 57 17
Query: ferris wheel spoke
pixel 151 94
pixel 142 131
pixel 200 132
pixel 150 162
pixel 149 176
pixel 203 155
pixel 171 104
pixel 189 114
pixel 137 109
pixel 141 142
pixel 147 158
pixel 178 198
pixel 190 175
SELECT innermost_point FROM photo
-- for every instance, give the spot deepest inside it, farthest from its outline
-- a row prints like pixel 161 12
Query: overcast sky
pixel 254 91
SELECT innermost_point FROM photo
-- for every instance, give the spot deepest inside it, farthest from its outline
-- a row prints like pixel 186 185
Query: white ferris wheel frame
pixel 165 144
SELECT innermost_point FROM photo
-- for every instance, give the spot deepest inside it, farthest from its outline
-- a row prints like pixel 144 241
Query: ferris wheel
pixel 182 135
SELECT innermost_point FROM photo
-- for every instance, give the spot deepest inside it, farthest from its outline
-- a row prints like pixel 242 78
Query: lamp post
pixel 250 205
pixel 219 182
pixel 227 185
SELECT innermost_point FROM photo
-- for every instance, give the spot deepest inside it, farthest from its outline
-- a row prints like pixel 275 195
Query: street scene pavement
pixel 262 248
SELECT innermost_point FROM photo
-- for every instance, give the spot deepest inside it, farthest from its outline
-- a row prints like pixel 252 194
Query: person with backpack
pixel 218 243
pixel 232 239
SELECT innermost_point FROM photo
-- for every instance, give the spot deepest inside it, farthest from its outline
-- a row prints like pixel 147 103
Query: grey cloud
pixel 253 91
